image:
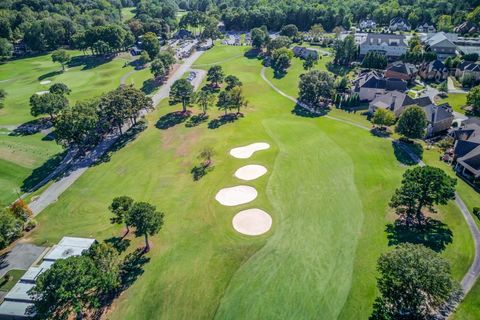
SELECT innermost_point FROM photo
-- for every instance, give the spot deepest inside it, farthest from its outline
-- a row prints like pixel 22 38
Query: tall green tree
pixel 215 75
pixel 412 123
pixel 167 58
pixel 10 228
pixel 289 30
pixel 259 38
pixel 60 88
pixel 48 103
pixel 345 51
pixel 281 59
pixel 204 99
pixel 232 99
pixel 473 100
pixel 422 187
pixel 414 283
pixel 146 220
pixel 232 82
pixel 181 92
pixel 316 89
pixel 5 48
pixel 61 56
pixel 383 117
pixel 158 69
pixel 310 62
pixel 120 207
pixel 151 44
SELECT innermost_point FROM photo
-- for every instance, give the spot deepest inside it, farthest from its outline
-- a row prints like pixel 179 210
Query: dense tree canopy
pixel 412 123
pixel 316 89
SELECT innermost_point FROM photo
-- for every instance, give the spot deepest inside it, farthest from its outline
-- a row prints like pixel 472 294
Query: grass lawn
pixel 5 284
pixel 456 100
pixel 128 13
pixel 327 190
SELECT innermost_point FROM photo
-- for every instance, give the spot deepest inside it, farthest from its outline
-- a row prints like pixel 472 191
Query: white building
pixel 391 45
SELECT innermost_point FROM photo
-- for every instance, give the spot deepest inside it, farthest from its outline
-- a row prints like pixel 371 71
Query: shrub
pixel 30 225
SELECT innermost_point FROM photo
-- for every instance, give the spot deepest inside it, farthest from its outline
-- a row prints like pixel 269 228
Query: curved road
pixel 474 271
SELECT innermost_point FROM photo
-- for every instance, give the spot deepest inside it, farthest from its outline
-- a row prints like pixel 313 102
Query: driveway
pixel 452 88
pixel 20 257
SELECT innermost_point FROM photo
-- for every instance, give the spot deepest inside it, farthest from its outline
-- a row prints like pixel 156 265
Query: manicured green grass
pixel 128 13
pixel 456 100
pixel 327 190
pixel 7 285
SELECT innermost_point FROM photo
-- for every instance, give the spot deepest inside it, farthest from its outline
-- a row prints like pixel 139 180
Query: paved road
pixel 77 166
pixel 474 272
pixel 452 88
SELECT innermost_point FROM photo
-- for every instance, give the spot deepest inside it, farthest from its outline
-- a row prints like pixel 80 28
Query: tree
pixel 5 48
pixel 143 59
pixel 232 82
pixel 61 56
pixel 3 95
pixel 277 43
pixel 290 30
pixel 473 99
pixel 232 99
pixel 412 123
pixel 414 283
pixel 69 286
pixel 60 88
pixel 10 228
pixel 151 44
pixel 415 43
pixel 444 23
pixel 158 69
pixel 106 259
pixel 259 38
pixel 341 84
pixel 215 75
pixel 345 51
pixel 383 117
pixel 120 207
pixel 422 187
pixel 181 92
pixel 167 58
pixel 316 31
pixel 146 220
pixel 48 103
pixel 21 210
pixel 316 88
pixel 310 62
pixel 375 60
pixel 77 125
pixel 281 59
pixel 205 99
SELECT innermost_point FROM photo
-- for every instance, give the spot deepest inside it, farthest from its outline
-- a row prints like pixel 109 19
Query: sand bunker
pixel 42 92
pixel 252 222
pixel 247 151
pixel 250 172
pixel 45 82
pixel 236 195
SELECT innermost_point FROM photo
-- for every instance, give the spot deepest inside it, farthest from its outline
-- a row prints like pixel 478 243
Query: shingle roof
pixel 401 67
pixel 471 161
pixel 463 147
pixel 437 65
pixel 423 101
pixel 393 100
pixel 384 38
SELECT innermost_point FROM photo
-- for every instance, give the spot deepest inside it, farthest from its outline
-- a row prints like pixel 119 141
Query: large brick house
pixel 401 71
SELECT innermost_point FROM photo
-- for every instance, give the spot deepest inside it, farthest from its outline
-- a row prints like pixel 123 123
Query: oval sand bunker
pixel 236 195
pixel 250 172
pixel 247 151
pixel 252 222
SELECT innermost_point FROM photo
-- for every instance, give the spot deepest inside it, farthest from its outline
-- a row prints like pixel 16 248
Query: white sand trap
pixel 236 195
pixel 45 82
pixel 42 92
pixel 247 151
pixel 250 172
pixel 252 222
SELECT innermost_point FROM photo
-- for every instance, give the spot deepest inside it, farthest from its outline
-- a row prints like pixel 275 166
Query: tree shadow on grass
pixel 380 132
pixel 123 140
pixel 172 119
pixel 433 234
pixel 90 62
pixel 31 127
pixel 49 75
pixel 401 154
pixel 39 174
pixel 119 243
pixel 149 86
pixel 132 267
pixel 196 120
pixel 303 112
pixel 252 54
pixel 223 120
pixel 199 171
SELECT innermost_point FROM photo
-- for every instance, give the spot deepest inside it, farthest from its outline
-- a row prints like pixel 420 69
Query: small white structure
pixel 18 304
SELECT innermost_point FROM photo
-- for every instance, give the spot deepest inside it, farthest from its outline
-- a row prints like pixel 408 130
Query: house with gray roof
pixel 439 118
pixel 394 101
pixel 434 70
pixel 304 53
pixel 370 85
pixel 442 44
pixel 399 24
pixel 426 28
pixel 466 150
pixel 468 68
pixel 391 45
pixel 401 71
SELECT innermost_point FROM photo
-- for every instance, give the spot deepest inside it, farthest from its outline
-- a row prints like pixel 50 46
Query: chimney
pixel 392 106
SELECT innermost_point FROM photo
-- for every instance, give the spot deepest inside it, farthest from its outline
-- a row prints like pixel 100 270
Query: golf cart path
pixel 78 166
pixel 452 88
pixel 474 271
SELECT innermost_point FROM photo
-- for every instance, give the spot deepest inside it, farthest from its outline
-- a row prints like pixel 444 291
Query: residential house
pixel 17 303
pixel 394 101
pixel 399 24
pixel 183 34
pixel 391 45
pixel 304 53
pixel 372 84
pixel 426 28
pixel 434 70
pixel 439 117
pixel 367 24
pixel 466 27
pixel 135 51
pixel 467 150
pixel 468 68
pixel 401 71
pixel 442 44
